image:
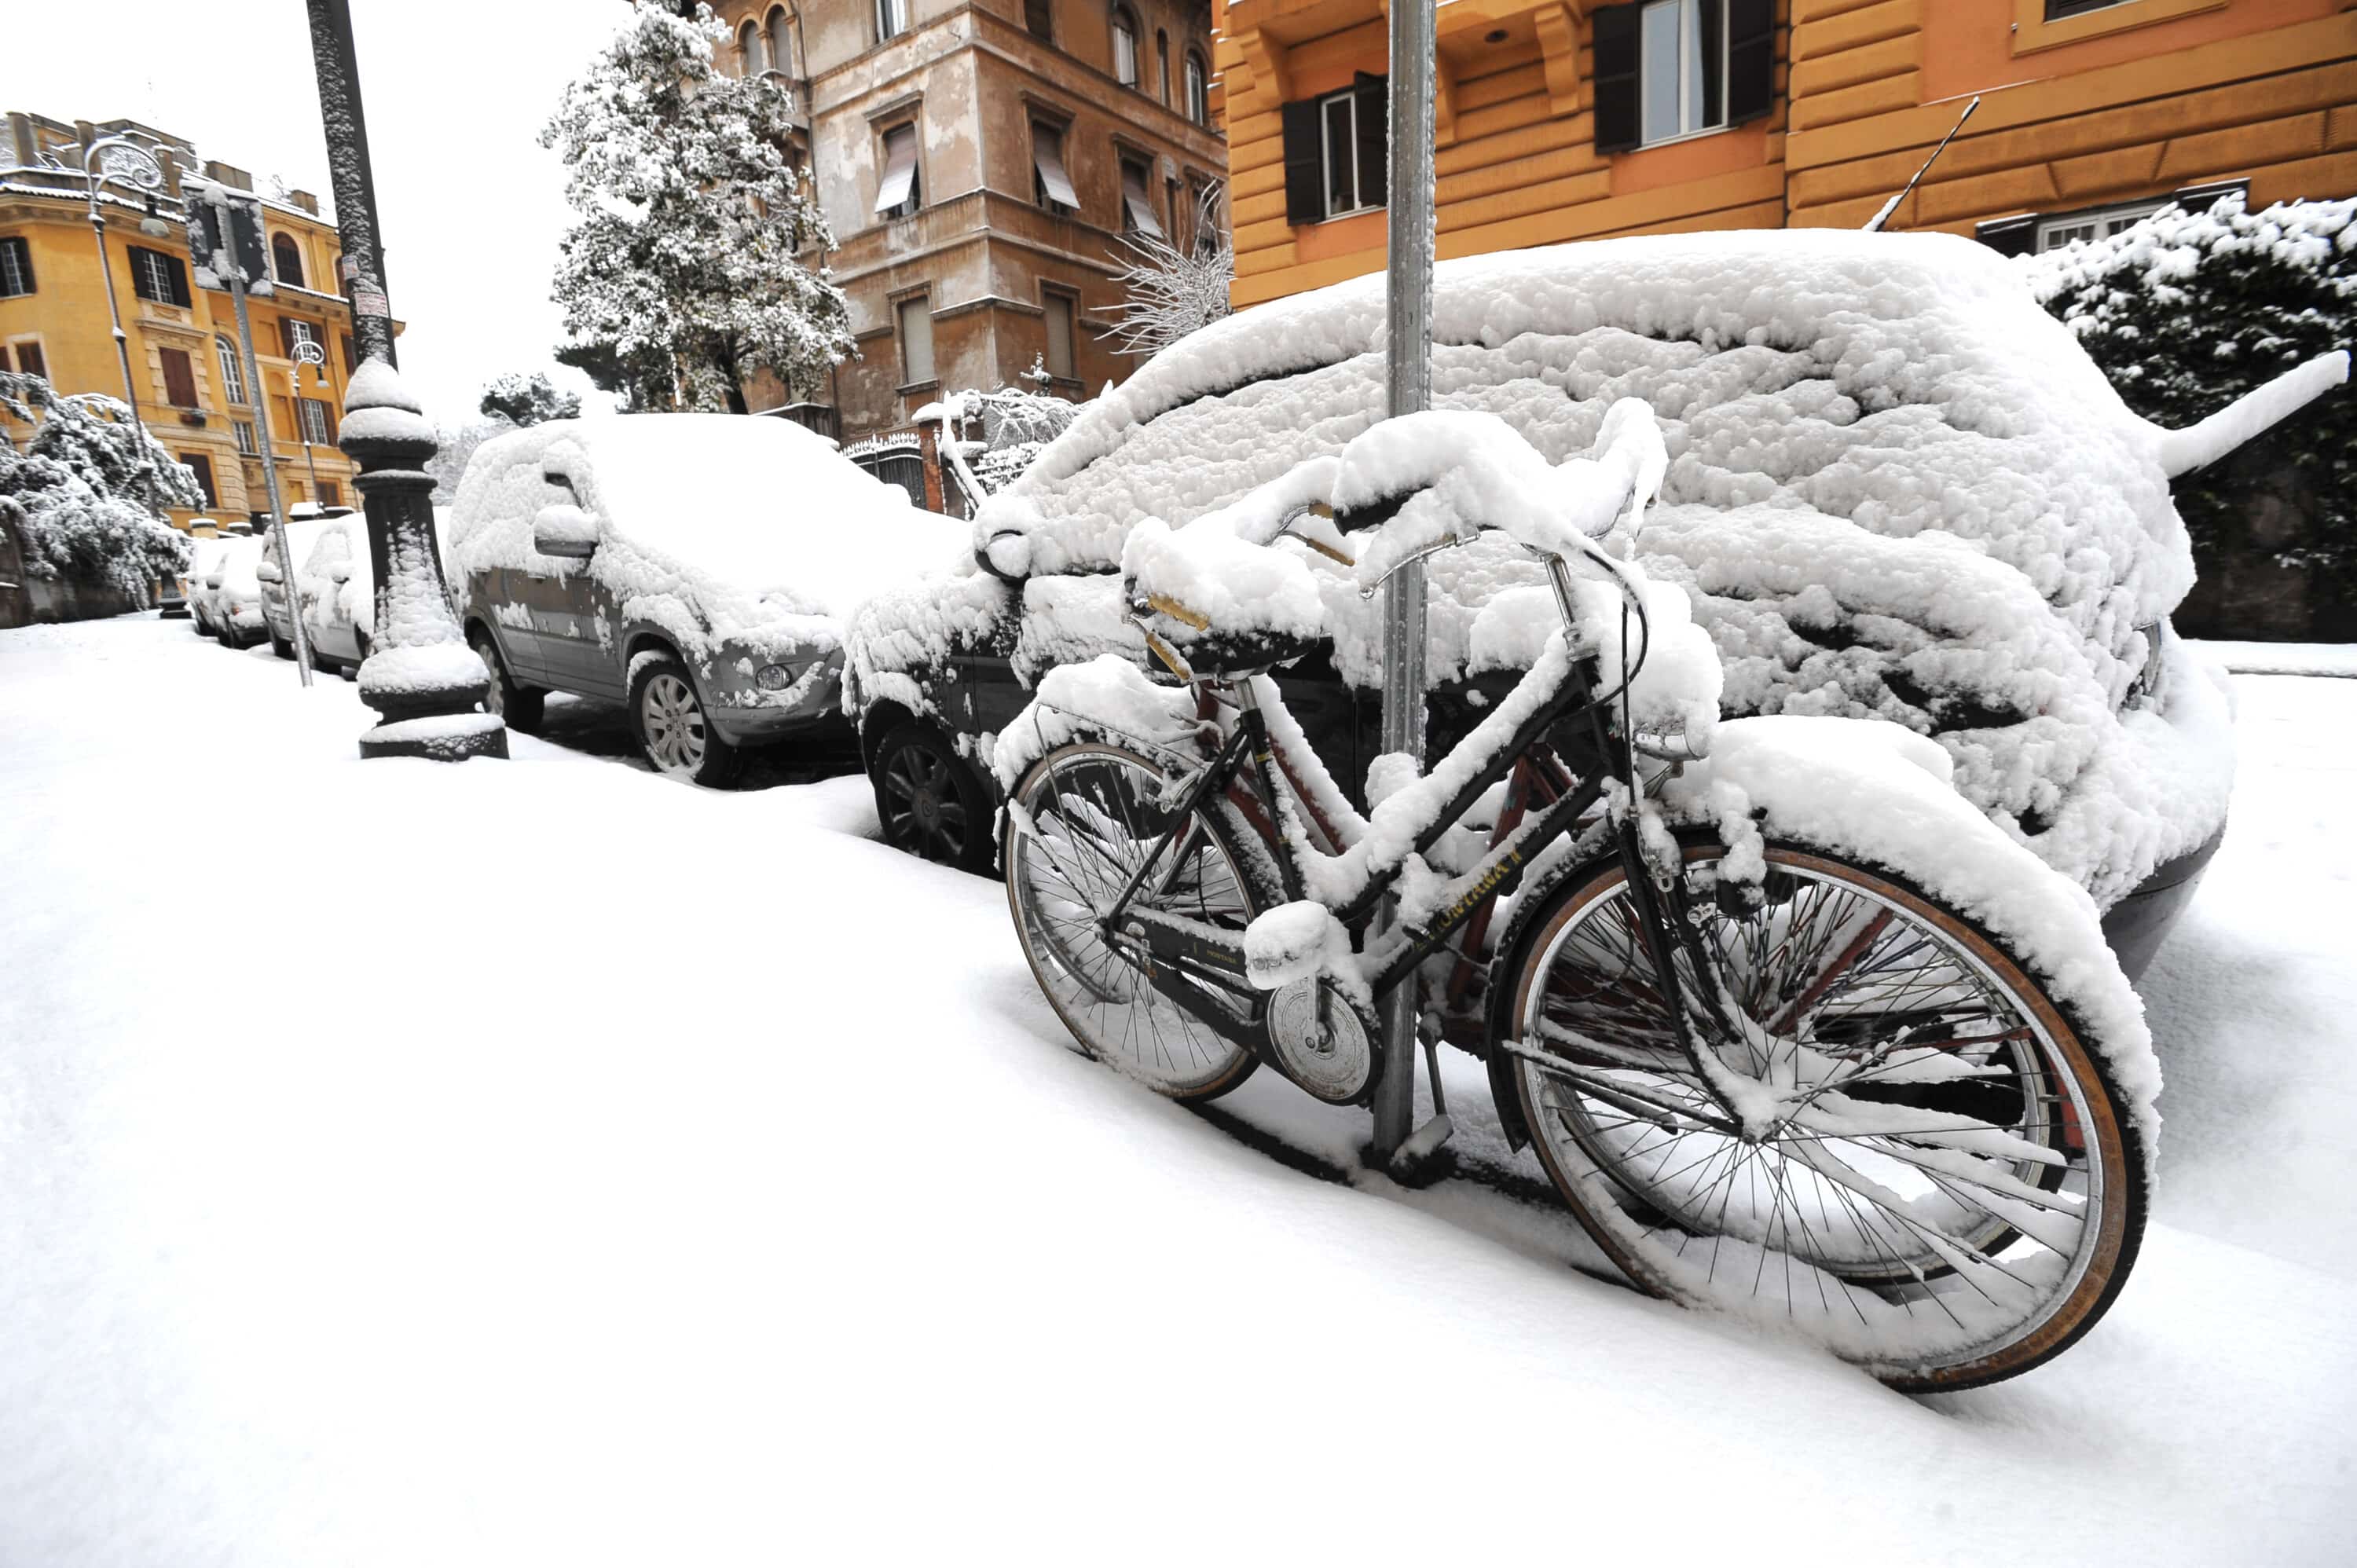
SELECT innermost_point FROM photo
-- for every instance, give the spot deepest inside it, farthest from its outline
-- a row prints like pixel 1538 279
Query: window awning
pixel 1048 157
pixel 899 167
pixel 1141 205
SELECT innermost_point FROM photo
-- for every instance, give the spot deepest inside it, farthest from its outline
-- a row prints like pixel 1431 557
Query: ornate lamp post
pixel 124 162
pixel 421 676
pixel 307 353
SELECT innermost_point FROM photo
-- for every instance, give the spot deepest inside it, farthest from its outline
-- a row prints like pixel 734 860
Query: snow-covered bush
pixel 85 495
pixel 1172 292
pixel 2186 312
pixel 523 400
pixel 679 280
pixel 1014 427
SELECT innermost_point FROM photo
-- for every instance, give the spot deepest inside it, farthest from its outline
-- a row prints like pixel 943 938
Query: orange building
pixel 1566 119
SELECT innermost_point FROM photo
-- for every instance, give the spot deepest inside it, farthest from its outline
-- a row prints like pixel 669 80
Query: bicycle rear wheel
pixel 1088 815
pixel 1934 1180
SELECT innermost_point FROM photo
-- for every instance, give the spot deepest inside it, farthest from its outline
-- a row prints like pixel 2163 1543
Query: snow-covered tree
pixel 1000 432
pixel 523 400
pixel 2186 312
pixel 1173 292
pixel 680 277
pixel 85 493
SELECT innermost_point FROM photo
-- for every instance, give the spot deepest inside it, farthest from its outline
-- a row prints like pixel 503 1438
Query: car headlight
pixel 774 677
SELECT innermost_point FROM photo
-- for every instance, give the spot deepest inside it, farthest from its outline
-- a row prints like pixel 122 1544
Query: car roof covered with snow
pixel 1897 488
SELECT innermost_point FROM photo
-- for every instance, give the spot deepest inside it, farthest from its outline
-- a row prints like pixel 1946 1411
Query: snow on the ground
pixel 543 1162
pixel 2282 657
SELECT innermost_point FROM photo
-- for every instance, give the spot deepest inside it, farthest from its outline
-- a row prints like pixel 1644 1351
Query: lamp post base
pixel 444 738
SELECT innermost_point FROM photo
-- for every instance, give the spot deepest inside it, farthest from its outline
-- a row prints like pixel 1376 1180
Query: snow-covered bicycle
pixel 1796 1032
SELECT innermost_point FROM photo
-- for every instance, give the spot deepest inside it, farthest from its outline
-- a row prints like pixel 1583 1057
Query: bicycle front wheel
pixel 1925 1168
pixel 1088 817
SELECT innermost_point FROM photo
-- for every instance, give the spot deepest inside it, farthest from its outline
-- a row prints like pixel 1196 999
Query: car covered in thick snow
pixel 203 555
pixel 336 587
pixel 698 567
pixel 232 593
pixel 1897 489
pixel 304 524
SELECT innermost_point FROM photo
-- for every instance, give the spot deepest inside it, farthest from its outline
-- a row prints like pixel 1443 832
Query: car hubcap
pixel 673 722
pixel 923 809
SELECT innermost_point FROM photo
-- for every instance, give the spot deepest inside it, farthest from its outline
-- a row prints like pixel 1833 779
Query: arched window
pixel 748 50
pixel 1198 90
pixel 1125 45
pixel 780 32
pixel 286 259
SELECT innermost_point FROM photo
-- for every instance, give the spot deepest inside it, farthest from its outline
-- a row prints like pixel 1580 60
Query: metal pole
pixel 270 464
pixel 143 164
pixel 351 176
pixel 1408 377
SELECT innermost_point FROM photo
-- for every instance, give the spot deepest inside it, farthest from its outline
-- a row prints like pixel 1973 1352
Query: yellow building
pixel 186 369
pixel 1568 119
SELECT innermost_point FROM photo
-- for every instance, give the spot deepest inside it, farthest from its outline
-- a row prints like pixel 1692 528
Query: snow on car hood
pixel 1897 489
pixel 719 528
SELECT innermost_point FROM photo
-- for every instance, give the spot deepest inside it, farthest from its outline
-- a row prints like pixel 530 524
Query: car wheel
pixel 281 646
pixel 519 706
pixel 678 736
pixel 930 801
pixel 361 641
pixel 227 637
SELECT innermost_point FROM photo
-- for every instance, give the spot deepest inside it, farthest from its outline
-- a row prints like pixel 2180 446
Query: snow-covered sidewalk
pixel 543 1161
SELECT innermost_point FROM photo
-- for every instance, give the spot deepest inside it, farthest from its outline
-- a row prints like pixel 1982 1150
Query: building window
pixel 15 267
pixel 1124 46
pixel 1039 16
pixel 294 329
pixel 1336 159
pixel 915 319
pixel 243 430
pixel 2053 233
pixel 891 18
pixel 1137 200
pixel 315 421
pixel 1198 90
pixel 748 50
pixel 1671 69
pixel 2056 10
pixel 779 41
pixel 899 193
pixel 30 361
pixel 158 277
pixel 179 377
pixel 330 493
pixel 1162 61
pixel 1059 314
pixel 351 355
pixel 202 467
pixel 287 260
pixel 232 374
pixel 1050 186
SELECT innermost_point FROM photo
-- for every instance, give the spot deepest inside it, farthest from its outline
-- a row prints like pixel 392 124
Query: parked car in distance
pixel 304 524
pixel 1897 489
pixel 697 568
pixel 172 594
pixel 337 591
pixel 234 592
pixel 204 554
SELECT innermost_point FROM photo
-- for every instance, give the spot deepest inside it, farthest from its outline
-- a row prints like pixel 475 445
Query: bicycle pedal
pixel 1413 1158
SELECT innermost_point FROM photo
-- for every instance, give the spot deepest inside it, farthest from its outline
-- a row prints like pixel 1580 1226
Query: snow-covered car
pixel 233 593
pixel 698 567
pixel 175 598
pixel 304 524
pixel 336 587
pixel 204 554
pixel 1897 489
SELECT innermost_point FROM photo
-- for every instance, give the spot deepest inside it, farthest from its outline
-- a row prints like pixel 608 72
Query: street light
pixel 125 162
pixel 307 353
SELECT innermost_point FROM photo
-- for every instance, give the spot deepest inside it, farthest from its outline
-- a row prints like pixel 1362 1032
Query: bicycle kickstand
pixel 1413 1163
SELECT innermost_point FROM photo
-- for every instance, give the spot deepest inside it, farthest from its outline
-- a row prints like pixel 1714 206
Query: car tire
pixel 930 801
pixel 520 706
pixel 674 729
pixel 281 646
pixel 227 638
pixel 361 641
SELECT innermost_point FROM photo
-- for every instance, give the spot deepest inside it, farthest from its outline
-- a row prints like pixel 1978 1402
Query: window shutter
pixel 180 271
pixel 1305 173
pixel 201 468
pixel 1374 108
pixel 2009 236
pixel 179 378
pixel 1750 60
pixel 29 359
pixel 1616 78
pixel 15 267
pixel 285 337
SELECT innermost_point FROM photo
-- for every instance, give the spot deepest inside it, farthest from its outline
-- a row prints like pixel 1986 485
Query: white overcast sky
pixel 455 95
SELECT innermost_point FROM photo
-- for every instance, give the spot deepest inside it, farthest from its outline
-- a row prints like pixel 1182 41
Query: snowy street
pixel 545 1162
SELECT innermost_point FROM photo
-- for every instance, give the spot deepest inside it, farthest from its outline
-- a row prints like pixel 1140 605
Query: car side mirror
pixel 268 571
pixel 565 531
pixel 212 579
pixel 339 574
pixel 1005 556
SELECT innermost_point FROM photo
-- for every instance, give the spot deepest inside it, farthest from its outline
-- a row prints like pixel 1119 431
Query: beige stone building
pixel 978 161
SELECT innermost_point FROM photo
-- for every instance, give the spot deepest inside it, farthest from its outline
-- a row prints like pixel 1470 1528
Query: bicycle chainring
pixel 1333 1058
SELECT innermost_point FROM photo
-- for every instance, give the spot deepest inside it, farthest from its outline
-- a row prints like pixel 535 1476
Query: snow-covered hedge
pixel 2187 311
pixel 78 495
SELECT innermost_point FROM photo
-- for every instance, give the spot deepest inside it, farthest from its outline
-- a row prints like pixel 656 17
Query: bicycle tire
pixel 1900 1256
